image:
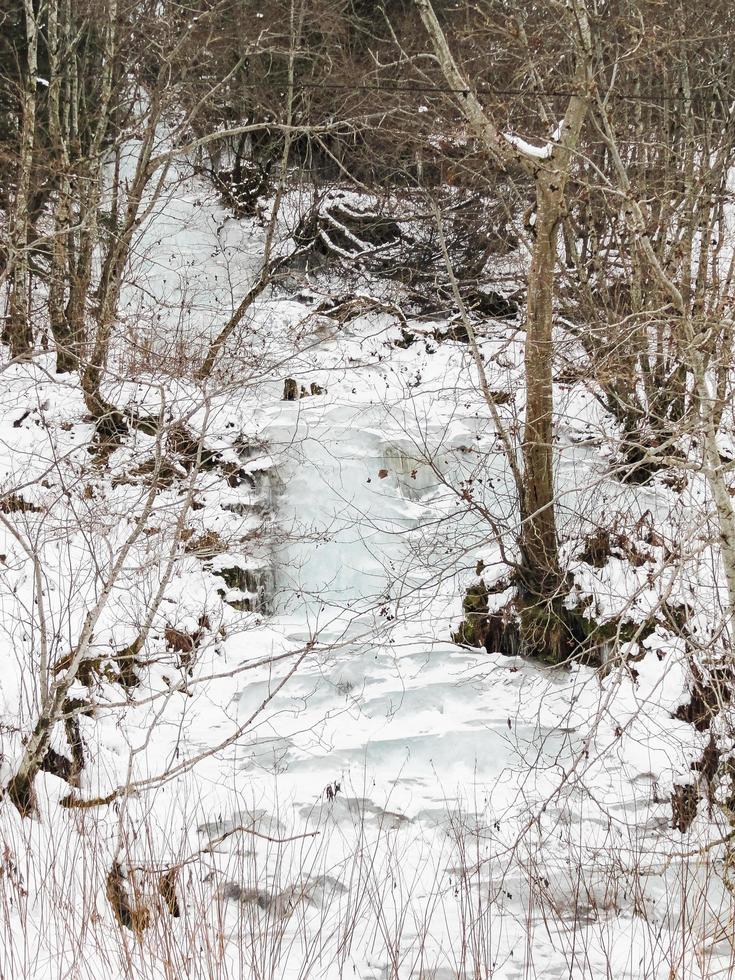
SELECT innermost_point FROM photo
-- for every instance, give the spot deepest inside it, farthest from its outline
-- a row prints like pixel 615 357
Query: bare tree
pixel 18 329
pixel 545 633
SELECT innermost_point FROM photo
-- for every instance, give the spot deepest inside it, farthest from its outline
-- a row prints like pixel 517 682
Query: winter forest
pixel 367 489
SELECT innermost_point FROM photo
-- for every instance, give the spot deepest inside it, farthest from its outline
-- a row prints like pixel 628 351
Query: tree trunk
pixel 86 188
pixel 66 355
pixel 80 272
pixel 542 619
pixel 18 332
pixel 57 38
pixel 113 269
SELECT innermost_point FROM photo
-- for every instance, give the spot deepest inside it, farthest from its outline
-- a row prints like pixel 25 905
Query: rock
pixel 290 390
pixel 257 583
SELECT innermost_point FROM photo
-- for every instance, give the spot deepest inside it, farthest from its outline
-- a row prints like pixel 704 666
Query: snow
pixel 530 149
pixel 492 818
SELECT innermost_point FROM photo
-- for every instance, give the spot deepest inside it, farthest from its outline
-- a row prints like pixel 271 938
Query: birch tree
pixel 18 332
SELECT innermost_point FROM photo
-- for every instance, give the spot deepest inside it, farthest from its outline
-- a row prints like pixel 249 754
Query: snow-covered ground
pixel 369 800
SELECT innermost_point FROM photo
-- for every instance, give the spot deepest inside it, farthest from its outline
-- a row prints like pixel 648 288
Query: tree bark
pixel 57 36
pixel 542 580
pixel 18 333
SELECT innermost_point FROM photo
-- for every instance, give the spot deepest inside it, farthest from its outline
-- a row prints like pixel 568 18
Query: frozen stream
pixel 471 778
